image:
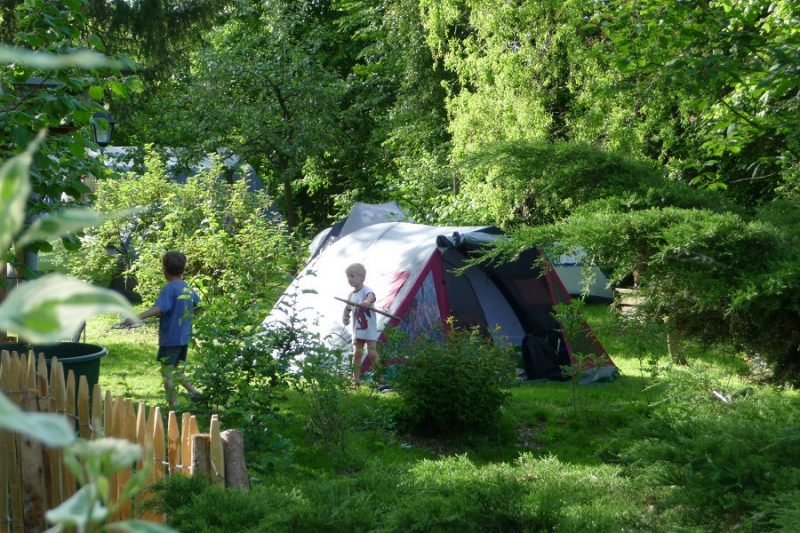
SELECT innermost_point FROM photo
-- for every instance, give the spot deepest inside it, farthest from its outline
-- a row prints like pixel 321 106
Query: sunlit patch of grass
pixel 130 369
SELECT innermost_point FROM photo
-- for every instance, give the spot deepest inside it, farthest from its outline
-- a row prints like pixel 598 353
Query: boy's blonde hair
pixel 356 268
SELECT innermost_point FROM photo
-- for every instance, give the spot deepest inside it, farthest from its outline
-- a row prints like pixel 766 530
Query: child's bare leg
pixel 167 372
pixel 183 380
pixel 372 356
pixel 358 347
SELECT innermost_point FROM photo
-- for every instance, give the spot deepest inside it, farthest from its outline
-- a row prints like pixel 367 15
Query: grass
pixel 651 451
pixel 130 368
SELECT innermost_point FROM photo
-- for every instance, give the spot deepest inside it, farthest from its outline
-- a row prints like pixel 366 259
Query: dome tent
pixel 410 268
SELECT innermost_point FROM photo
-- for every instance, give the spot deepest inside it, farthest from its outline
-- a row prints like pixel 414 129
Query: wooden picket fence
pixel 33 478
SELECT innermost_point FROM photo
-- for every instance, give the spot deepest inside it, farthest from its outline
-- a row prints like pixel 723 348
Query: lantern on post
pixel 102 128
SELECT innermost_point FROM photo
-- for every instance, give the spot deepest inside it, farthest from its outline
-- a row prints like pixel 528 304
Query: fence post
pixel 235 467
pixel 201 455
pixel 31 459
pixel 186 445
pixel 58 398
pixel 84 421
pixel 97 411
pixel 129 434
pixel 70 484
pixel 141 435
pixel 216 453
pixel 158 445
pixel 173 443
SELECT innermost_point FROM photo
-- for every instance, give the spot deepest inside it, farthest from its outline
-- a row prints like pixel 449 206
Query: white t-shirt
pixel 365 325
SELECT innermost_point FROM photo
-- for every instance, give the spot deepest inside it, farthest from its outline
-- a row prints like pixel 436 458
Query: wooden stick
pixel 384 313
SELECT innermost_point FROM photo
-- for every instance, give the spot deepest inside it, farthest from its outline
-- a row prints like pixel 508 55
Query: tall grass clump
pixel 452 386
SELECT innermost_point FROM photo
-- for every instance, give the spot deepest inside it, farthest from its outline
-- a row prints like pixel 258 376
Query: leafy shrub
pixel 191 504
pixel 241 381
pixel 726 460
pixel 449 494
pixel 451 386
pixel 530 494
pixel 112 247
pixel 323 381
pixel 524 182
pixel 240 257
pixel 235 245
pixel 712 276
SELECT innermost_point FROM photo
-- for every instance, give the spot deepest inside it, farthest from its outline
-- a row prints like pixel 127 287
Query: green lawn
pixel 651 451
pixel 130 368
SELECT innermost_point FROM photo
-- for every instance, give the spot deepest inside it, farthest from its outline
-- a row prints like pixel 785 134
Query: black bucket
pixel 83 359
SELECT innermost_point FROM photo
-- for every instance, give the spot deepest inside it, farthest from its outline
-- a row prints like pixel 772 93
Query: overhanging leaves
pixel 14 190
pixel 85 59
pixel 63 223
pixel 54 307
pixel 49 429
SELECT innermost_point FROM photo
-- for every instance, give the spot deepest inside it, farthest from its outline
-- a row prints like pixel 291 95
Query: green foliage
pixel 46 310
pixel 448 494
pixel 51 308
pixel 451 387
pixel 240 380
pixel 115 244
pixel 523 182
pixel 239 259
pixel 192 504
pixel 645 460
pixel 728 458
pixel 570 317
pixel 705 274
pixel 736 106
pixel 242 369
pixel 265 86
pixel 707 91
pixel 454 494
pixel 56 81
pixel 237 248
pixel 323 380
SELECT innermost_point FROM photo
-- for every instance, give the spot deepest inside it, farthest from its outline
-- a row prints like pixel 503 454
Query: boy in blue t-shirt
pixel 174 308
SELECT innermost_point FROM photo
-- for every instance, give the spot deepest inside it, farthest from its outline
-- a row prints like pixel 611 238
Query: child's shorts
pixel 171 355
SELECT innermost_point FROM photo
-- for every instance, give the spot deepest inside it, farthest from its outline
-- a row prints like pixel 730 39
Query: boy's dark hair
pixel 174 263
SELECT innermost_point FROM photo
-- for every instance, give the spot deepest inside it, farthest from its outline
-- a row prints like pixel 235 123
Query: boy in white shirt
pixel 365 331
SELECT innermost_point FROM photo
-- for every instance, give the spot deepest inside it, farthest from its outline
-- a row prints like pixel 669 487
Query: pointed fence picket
pixel 34 478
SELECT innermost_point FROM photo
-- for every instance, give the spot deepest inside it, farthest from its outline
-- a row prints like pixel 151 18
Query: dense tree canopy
pixel 658 124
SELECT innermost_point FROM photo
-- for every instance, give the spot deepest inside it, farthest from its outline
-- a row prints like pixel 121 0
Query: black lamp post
pixel 102 128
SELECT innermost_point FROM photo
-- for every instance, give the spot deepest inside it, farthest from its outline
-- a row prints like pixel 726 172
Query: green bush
pixel 451 386
pixel 523 182
pixel 112 247
pixel 241 381
pixel 449 494
pixel 708 275
pixel 726 461
pixel 240 256
pixel 191 504
pixel 529 494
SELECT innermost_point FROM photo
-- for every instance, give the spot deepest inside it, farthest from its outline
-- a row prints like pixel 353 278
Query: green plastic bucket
pixel 83 359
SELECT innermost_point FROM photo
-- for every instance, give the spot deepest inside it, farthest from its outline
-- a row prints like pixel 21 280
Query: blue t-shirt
pixel 175 322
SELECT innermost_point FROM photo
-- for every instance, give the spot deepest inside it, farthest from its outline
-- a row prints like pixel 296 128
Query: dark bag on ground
pixel 541 360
